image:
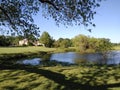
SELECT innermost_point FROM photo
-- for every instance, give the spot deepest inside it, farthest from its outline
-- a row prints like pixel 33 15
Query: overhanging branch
pixel 49 2
pixel 5 13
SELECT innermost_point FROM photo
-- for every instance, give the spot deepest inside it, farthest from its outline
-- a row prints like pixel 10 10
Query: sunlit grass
pixel 10 50
pixel 117 47
pixel 60 78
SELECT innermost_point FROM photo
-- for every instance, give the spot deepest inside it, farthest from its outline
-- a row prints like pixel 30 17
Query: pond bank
pixel 13 57
pixel 16 53
pixel 10 53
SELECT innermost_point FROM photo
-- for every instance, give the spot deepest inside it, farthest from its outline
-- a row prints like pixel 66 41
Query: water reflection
pixel 64 57
pixel 76 58
pixel 34 61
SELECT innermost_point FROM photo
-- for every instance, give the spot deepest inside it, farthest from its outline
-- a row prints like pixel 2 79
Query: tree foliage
pixel 17 14
pixel 81 42
pixel 9 40
pixel 90 44
pixel 46 39
pixel 62 43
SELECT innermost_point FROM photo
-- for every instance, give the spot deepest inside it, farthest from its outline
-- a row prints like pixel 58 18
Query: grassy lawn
pixel 59 78
pixel 10 50
pixel 7 53
pixel 117 47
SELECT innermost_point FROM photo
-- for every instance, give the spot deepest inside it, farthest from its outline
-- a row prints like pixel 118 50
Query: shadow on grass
pixel 14 56
pixel 70 84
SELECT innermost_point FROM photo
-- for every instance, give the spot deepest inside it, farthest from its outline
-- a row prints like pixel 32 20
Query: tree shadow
pixel 69 84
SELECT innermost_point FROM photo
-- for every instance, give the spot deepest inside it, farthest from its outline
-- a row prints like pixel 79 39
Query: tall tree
pixel 2 40
pixel 81 42
pixel 63 43
pixel 46 39
pixel 17 14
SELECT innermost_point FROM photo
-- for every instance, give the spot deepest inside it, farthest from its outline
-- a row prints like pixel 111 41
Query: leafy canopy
pixel 46 39
pixel 17 14
pixel 85 44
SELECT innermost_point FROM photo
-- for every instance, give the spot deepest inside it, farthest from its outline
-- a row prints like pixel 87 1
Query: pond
pixel 75 58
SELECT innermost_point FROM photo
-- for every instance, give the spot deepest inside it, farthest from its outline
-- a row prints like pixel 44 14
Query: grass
pixel 86 77
pixel 11 50
pixel 117 47
pixel 59 78
pixel 8 53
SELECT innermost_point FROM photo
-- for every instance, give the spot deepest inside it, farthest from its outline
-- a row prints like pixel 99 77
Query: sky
pixel 107 22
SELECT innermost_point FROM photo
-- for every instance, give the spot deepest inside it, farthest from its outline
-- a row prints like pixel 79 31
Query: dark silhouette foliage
pixel 17 14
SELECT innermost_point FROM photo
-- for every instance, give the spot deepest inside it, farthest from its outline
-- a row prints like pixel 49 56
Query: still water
pixel 76 58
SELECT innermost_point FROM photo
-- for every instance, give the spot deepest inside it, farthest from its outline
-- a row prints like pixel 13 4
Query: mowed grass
pixel 117 47
pixel 60 78
pixel 11 50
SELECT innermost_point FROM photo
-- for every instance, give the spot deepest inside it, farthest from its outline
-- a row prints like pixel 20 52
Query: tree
pixel 93 42
pixel 2 40
pixel 6 40
pixel 104 46
pixel 46 39
pixel 63 43
pixel 57 42
pixel 81 42
pixel 10 40
pixel 17 14
pixel 90 44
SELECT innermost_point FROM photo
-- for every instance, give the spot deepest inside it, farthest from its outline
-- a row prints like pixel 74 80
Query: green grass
pixel 117 47
pixel 60 78
pixel 20 77
pixel 8 53
pixel 10 50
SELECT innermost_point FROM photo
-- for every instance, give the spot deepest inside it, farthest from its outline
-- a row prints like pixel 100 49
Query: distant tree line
pixel 63 43
pixel 9 40
pixel 90 44
pixel 81 42
pixel 116 44
pixel 50 42
pixel 14 40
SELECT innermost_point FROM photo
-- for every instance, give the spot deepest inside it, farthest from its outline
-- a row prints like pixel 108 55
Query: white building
pixel 23 42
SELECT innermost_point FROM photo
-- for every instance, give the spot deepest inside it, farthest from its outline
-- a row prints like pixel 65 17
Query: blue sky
pixel 107 22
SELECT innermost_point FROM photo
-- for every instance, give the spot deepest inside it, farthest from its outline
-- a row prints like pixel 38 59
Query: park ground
pixel 33 49
pixel 82 77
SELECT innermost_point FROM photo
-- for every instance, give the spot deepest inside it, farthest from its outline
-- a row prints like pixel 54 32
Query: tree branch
pixel 49 2
pixel 5 13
